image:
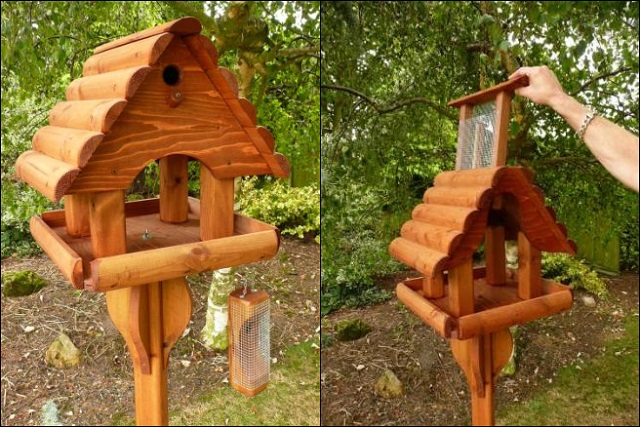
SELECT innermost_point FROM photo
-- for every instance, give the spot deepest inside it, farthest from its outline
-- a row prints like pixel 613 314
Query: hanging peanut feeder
pixel 154 95
pixel 482 200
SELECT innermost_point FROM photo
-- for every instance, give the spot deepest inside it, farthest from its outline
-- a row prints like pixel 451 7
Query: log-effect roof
pixel 449 226
pixel 120 116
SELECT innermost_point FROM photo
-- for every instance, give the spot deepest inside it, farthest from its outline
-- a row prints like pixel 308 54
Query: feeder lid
pixel 449 226
pixel 121 107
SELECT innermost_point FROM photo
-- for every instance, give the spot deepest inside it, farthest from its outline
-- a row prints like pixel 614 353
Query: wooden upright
pixel 474 307
pixel 157 95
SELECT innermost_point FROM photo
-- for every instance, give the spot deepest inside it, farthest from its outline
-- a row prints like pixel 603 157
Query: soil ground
pixel 100 390
pixel 435 388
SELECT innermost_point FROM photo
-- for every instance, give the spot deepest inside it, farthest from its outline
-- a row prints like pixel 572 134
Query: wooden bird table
pixel 481 201
pixel 156 95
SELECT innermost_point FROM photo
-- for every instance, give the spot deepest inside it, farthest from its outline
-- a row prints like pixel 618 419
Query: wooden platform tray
pixel 155 250
pixel 497 307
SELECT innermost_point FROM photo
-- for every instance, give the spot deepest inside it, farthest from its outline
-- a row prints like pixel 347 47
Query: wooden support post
pixel 152 408
pixel 494 255
pixel 108 224
pixel 76 214
pixel 216 206
pixel 150 318
pixel 174 189
pixel 461 289
pixel 503 113
pixel 433 287
pixel 529 269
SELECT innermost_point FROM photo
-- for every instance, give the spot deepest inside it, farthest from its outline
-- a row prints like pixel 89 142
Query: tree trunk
pixel 214 334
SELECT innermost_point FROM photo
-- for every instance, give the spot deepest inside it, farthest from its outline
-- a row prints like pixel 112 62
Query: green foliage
pixel 45 44
pixel 21 283
pixel 572 271
pixel 392 68
pixel 600 390
pixel 295 210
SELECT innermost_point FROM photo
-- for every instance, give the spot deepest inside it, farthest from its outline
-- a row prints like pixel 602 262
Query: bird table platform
pixel 156 95
pixel 482 201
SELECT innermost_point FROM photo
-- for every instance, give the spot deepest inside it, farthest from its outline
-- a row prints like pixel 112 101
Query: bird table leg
pixel 151 318
pixel 482 358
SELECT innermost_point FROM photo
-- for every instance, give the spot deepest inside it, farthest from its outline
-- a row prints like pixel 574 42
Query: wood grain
pixel 140 53
pixel 139 268
pixel 120 84
pixel 49 176
pixel 76 212
pixel 432 315
pixel 501 130
pixel 201 127
pixel 67 260
pixel 441 239
pixel 466 197
pixel 512 314
pixel 487 177
pixel 174 189
pixel 94 115
pixel 433 287
pixel 460 289
pixel 490 93
pixel 216 206
pixel 181 26
pixel 203 50
pixel 529 269
pixel 425 260
pixel 68 145
pixel 495 258
pixel 445 216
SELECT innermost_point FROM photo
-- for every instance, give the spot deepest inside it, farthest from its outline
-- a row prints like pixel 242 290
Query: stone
pixel 388 385
pixel 588 301
pixel 351 329
pixel 62 353
pixel 21 283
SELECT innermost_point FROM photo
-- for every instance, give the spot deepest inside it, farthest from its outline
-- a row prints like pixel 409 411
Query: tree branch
pixel 383 109
pixel 600 77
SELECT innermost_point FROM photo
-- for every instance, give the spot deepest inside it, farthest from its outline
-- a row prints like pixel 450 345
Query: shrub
pixel 294 210
pixel 572 271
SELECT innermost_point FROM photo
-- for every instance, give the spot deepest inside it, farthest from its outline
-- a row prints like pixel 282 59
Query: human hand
pixel 544 87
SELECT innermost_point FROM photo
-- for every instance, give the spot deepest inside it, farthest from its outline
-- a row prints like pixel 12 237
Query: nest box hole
pixel 171 75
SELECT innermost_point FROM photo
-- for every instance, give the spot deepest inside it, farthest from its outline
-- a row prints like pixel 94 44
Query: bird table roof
pixel 142 97
pixel 449 226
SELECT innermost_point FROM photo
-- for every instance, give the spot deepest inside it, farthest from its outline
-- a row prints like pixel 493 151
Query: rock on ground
pixel 388 385
pixel 62 353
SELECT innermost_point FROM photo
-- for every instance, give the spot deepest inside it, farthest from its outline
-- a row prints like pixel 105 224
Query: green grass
pixel 292 397
pixel 603 391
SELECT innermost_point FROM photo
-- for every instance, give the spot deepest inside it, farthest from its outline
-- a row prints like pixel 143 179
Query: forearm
pixel 614 147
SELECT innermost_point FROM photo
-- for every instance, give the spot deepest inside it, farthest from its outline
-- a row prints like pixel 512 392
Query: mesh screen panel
pixel 476 138
pixel 249 326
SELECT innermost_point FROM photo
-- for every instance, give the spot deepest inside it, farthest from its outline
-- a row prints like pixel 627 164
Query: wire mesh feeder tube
pixel 476 137
pixel 249 341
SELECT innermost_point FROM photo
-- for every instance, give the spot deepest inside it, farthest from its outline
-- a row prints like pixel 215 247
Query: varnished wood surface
pixel 49 176
pixel 119 84
pixel 181 26
pixel 201 127
pixel 73 146
pixel 140 53
pixel 490 93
